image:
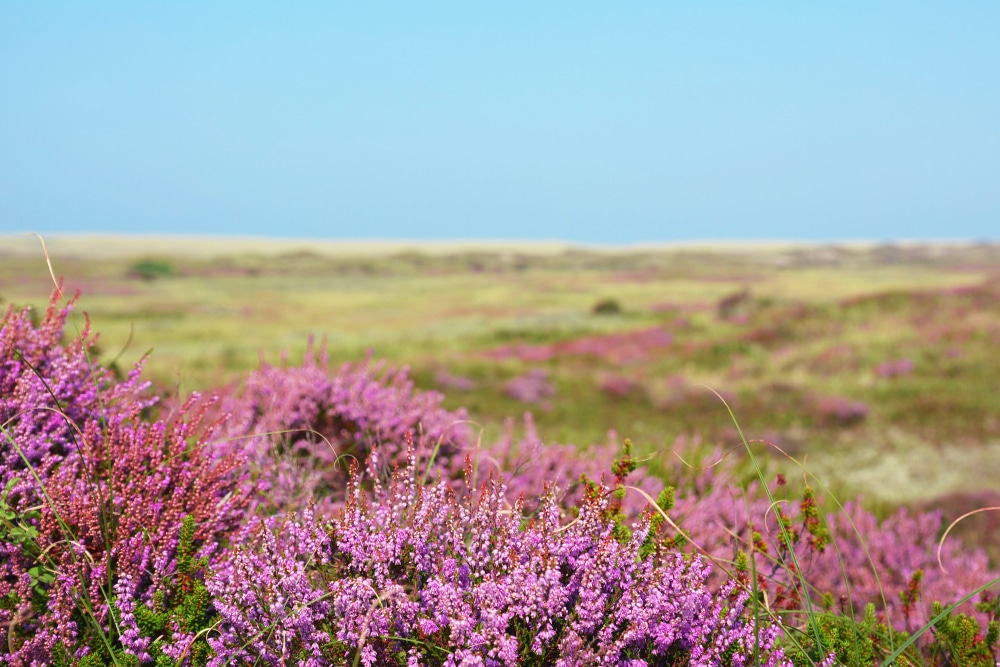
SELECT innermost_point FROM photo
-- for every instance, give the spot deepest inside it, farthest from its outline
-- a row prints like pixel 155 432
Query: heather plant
pixel 49 390
pixel 802 562
pixel 838 410
pixel 528 465
pixel 801 551
pixel 94 494
pixel 619 386
pixel 894 368
pixel 949 640
pixel 111 529
pixel 453 382
pixel 416 575
pixel 296 423
pixel 169 629
pixel 49 393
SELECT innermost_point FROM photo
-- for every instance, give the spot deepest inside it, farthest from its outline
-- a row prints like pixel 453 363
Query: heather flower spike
pixel 453 579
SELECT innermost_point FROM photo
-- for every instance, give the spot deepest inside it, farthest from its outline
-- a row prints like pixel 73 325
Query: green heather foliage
pixel 193 535
pixel 151 269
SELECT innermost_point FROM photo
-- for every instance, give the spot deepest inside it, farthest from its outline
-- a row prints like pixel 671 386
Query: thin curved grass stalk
pixel 720 563
pixel 952 525
pixel 125 347
pixel 205 631
pixel 48 261
pixel 864 546
pixel 680 531
pixel 784 532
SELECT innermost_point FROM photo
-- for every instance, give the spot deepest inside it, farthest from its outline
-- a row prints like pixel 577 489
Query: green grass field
pixel 877 364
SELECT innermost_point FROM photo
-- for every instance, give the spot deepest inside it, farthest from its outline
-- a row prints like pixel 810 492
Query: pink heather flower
pixel 299 425
pixel 865 558
pixel 469 577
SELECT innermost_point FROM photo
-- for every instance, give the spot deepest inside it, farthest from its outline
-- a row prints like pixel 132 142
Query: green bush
pixel 151 269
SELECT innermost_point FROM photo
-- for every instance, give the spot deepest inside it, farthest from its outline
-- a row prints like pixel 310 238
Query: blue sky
pixel 584 121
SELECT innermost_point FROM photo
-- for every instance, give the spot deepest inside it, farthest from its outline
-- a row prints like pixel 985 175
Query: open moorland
pixel 305 469
pixel 876 364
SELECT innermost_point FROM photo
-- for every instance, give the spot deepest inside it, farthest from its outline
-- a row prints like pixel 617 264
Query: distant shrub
pixel 835 359
pixel 151 269
pixel 624 347
pixel 734 305
pixel 607 307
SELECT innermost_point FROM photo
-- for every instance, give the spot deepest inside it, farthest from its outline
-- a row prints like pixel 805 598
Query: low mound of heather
pixel 413 574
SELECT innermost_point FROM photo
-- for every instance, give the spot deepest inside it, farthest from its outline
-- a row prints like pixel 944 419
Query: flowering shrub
pixel 416 576
pixel 296 423
pixel 94 492
pixel 848 555
pixel 528 465
pixel 619 386
pixel 48 392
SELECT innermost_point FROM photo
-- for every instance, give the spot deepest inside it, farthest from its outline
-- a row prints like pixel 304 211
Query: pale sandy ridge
pixel 116 246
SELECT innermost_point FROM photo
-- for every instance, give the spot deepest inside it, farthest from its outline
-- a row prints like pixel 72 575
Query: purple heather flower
pixel 421 569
